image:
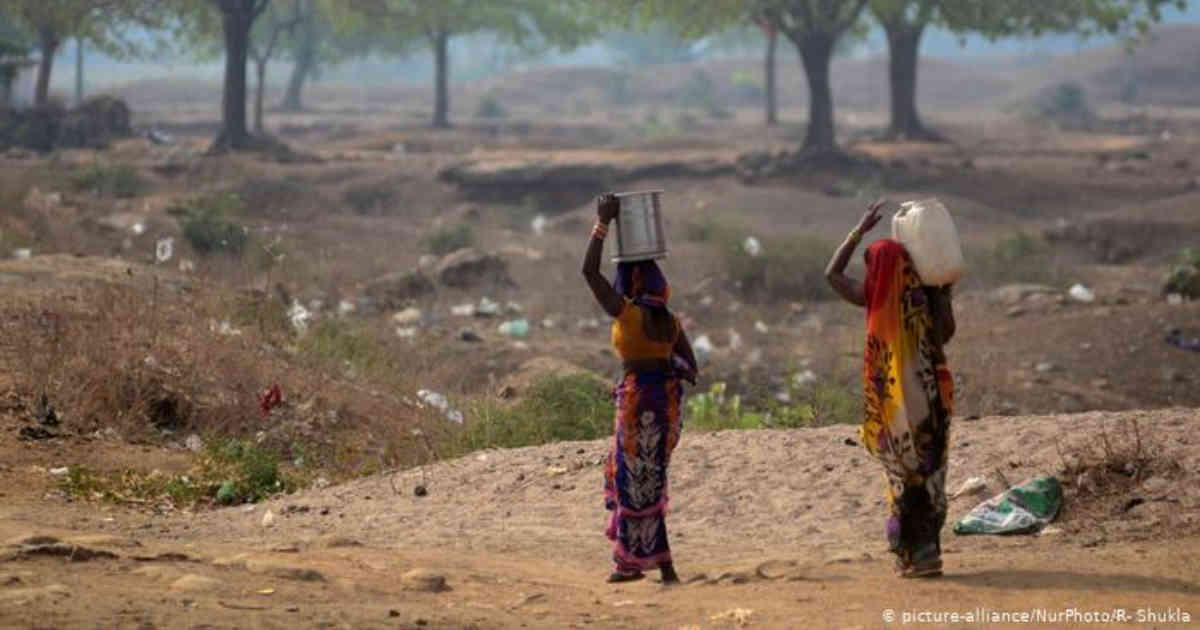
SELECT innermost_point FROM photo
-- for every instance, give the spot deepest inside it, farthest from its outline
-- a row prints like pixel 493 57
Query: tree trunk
pixel 904 43
pixel 78 71
pixel 236 20
pixel 261 67
pixel 769 77
pixel 816 51
pixel 306 58
pixel 441 105
pixel 48 45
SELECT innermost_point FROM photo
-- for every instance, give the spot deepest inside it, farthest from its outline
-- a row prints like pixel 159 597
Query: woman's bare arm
pixel 606 296
pixel 849 288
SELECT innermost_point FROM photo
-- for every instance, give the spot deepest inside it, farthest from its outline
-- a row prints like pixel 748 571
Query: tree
pixel 273 26
pixel 306 44
pixel 101 22
pixel 435 22
pixel 813 26
pixel 905 21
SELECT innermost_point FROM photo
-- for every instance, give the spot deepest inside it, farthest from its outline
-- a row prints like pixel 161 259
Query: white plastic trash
pixel 1080 293
pixel 974 485
pixel 752 246
pixel 927 231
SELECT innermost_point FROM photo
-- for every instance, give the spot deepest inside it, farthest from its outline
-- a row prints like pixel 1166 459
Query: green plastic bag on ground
pixel 1023 509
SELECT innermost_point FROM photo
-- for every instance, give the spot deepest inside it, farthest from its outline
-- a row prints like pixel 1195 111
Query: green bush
pixel 1184 278
pixel 490 107
pixel 556 409
pixel 451 239
pixel 786 268
pixel 121 181
pixel 207 225
pixel 339 343
pixel 1016 258
pixel 715 411
pixel 369 198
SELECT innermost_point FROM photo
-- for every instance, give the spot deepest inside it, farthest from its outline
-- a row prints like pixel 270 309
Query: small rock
pixel 1046 367
pixel 268 519
pixel 283 571
pixel 420 491
pixel 469 336
pixel 467 268
pixel 193 443
pixel 407 317
pixel 60 472
pixel 423 580
pixel 396 290
pixel 192 583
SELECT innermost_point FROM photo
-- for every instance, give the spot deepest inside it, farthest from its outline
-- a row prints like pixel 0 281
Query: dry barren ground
pixel 770 529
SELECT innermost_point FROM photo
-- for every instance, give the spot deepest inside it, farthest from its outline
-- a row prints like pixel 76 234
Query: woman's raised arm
pixel 607 207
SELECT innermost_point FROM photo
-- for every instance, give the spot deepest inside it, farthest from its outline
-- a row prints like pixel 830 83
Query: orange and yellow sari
pixel 909 397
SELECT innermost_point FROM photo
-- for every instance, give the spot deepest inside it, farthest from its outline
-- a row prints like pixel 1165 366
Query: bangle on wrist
pixel 855 236
pixel 599 230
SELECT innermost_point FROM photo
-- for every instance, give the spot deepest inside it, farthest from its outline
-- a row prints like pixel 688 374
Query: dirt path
pixel 771 530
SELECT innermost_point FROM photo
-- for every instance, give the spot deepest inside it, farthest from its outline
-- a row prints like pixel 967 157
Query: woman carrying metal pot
pixel 656 358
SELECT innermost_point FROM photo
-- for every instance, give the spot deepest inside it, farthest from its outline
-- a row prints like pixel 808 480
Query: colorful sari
pixel 909 397
pixel 646 430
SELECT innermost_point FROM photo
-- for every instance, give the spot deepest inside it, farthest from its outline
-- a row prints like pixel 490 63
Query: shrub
pixel 369 198
pixel 715 411
pixel 207 226
pixel 1184 278
pixel 451 239
pixel 786 268
pixel 490 107
pixel 121 181
pixel 1015 258
pixel 557 408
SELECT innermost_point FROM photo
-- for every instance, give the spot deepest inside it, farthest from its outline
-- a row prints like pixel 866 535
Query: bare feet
pixel 617 577
pixel 669 577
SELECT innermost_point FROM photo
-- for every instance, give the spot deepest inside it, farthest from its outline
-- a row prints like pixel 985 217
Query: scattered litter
pixel 588 324
pixel 1045 367
pixel 761 327
pixel 735 340
pixel 406 332
pixel 186 266
pixel 60 472
pixel 1175 299
pixel 23 253
pixel 224 328
pixel 1176 338
pixel 193 443
pixel 407 316
pixel 1024 509
pixel 265 591
pixel 520 346
pixel 556 470
pixel 150 362
pixel 346 307
pixel 487 308
pixel 973 485
pixel 805 378
pixel 439 402
pixel 702 347
pixel 164 249
pixel 752 247
pixel 269 399
pixel 468 335
pixel 427 261
pixel 549 324
pixel 539 224
pixel 783 397
pixel 513 307
pixel 740 616
pixel 706 301
pixel 299 317
pixel 268 519
pixel 138 228
pixel 160 137
pixel 515 328
pixel 1080 293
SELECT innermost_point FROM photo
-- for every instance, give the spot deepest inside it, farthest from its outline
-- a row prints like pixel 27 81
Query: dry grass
pixel 1104 469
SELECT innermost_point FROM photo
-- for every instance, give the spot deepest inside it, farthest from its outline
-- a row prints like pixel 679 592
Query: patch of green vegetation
pixel 1184 277
pixel 369 198
pixel 714 410
pixel 208 226
pixel 340 344
pixel 450 239
pixel 490 108
pixel 1016 258
pixel 234 471
pixel 121 181
pixel 556 409
pixel 785 268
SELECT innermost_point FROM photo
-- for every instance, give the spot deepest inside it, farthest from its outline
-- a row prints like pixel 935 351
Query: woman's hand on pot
pixel 607 207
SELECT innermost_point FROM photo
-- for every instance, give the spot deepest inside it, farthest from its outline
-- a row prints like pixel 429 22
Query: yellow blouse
pixel 629 337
